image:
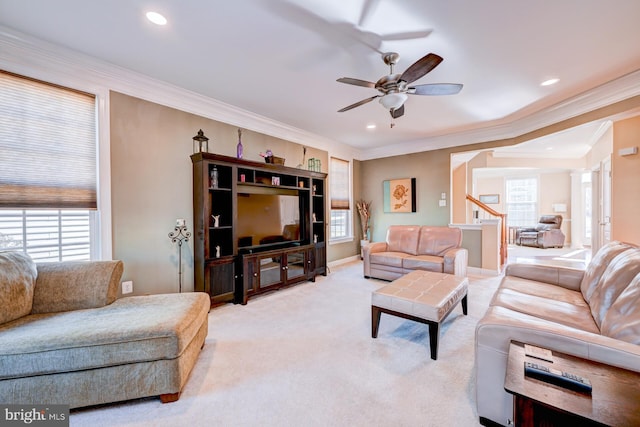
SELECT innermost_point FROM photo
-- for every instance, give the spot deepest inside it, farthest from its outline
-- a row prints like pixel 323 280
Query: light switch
pixel 443 196
pixel 442 203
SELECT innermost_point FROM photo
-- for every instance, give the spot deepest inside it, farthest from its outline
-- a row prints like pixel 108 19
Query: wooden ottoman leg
pixel 375 321
pixel 169 397
pixel 464 305
pixel 434 330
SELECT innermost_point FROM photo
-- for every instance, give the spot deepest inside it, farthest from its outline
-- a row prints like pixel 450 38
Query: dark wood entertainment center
pixel 231 267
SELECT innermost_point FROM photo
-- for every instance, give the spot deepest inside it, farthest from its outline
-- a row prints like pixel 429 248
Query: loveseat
pixel 65 338
pixel 593 314
pixel 413 247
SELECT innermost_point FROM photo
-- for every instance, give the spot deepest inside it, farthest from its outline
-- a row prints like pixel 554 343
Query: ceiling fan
pixel 394 88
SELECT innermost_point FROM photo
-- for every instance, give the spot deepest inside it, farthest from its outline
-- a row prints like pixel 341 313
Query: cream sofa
pixel 66 339
pixel 413 247
pixel 592 313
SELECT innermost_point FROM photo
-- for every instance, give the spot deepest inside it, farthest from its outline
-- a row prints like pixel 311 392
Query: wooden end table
pixel 614 400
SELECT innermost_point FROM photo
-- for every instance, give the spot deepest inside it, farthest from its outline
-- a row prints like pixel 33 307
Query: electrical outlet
pixel 442 203
pixel 127 287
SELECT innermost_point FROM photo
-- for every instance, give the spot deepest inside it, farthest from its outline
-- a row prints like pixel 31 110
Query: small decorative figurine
pixel 217 251
pixel 216 220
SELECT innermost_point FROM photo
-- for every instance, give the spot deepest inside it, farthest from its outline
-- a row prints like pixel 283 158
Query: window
pixel 522 202
pixel 47 235
pixel 340 183
pixel 48 196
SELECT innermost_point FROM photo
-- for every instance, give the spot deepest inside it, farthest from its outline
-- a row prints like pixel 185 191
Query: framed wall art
pixel 490 199
pixel 400 195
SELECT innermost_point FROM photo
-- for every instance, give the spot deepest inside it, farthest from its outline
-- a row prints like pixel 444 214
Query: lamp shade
pixel 394 100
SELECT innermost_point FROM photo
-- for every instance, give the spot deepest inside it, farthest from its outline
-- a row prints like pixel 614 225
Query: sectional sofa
pixel 65 338
pixel 593 314
pixel 414 247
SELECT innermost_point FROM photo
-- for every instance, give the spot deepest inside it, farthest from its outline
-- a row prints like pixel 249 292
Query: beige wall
pixel 431 170
pixel 625 179
pixel 151 184
pixel 553 188
pixel 458 195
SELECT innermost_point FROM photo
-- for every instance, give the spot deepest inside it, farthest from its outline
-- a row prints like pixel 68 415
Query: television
pixel 269 218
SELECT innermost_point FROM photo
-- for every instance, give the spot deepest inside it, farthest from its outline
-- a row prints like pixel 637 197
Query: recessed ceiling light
pixel 549 82
pixel 371 126
pixel 156 18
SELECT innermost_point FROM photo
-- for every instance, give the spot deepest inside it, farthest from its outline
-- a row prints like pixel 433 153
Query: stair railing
pixel 503 226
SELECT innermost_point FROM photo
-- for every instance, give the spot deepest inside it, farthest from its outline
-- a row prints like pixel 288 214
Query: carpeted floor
pixel 304 356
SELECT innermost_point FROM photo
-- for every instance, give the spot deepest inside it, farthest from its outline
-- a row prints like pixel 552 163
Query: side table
pixel 614 400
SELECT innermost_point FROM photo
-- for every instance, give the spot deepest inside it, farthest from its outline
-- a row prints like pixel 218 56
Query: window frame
pixel 348 213
pixel 508 202
pixel 101 219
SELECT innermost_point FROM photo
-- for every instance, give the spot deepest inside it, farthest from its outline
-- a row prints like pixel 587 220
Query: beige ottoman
pixel 422 296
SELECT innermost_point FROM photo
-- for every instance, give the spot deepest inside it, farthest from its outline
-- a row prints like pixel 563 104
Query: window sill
pixel 341 240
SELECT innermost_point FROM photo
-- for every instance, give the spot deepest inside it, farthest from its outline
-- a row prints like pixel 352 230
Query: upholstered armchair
pixel 546 234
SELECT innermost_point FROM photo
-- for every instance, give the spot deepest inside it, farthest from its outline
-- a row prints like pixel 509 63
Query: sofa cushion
pixel 438 240
pixel 17 280
pixel 622 320
pixel 424 262
pixel 393 259
pixel 403 238
pixel 76 285
pixel 545 290
pixel 615 279
pixel 559 311
pixel 131 330
pixel 598 265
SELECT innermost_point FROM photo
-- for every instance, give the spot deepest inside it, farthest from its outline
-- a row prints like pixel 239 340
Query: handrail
pixel 503 226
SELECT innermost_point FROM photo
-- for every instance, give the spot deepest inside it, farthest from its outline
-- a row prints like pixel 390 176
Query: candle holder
pixel 180 234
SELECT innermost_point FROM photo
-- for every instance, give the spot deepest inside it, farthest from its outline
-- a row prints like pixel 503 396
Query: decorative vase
pixel 363 243
pixel 239 147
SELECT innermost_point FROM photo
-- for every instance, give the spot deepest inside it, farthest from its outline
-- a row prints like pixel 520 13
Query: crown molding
pixel 606 94
pixel 24 54
pixel 27 55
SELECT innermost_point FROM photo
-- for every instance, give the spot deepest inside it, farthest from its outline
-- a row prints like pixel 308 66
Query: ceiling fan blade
pixel 357 82
pixel 368 8
pixel 435 89
pixel 398 112
pixel 410 35
pixel 421 67
pixel 357 104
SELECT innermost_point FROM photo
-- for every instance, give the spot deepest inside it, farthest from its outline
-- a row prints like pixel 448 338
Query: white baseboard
pixel 343 261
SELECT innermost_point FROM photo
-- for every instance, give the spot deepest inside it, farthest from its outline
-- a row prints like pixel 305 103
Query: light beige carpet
pixel 304 356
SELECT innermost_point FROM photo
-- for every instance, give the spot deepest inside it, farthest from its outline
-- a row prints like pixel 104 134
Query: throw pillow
pixel 17 282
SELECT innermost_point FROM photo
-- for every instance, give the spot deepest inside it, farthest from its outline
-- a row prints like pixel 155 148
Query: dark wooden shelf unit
pixel 223 266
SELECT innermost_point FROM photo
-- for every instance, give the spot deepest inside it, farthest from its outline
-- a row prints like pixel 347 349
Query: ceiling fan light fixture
pixel 394 100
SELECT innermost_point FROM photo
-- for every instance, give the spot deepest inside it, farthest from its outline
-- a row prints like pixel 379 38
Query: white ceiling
pixel 281 59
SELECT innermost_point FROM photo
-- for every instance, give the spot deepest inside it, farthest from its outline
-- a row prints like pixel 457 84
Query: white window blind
pixel 47 145
pixel 339 183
